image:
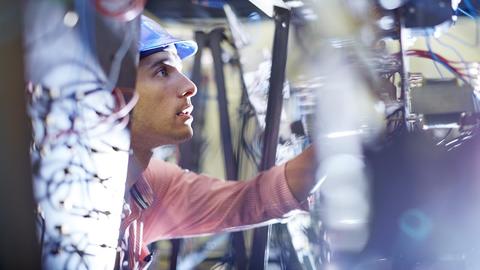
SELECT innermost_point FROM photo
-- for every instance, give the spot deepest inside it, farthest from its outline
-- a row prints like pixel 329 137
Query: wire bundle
pixel 458 68
pixel 80 141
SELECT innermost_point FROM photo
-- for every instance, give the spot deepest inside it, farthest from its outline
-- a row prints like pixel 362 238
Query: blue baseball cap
pixel 153 38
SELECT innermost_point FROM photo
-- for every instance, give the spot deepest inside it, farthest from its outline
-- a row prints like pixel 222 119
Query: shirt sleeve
pixel 188 204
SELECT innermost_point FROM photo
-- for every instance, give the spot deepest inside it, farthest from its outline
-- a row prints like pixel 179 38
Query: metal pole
pixel 19 248
pixel 259 257
pixel 176 245
pixel 216 37
pixel 404 85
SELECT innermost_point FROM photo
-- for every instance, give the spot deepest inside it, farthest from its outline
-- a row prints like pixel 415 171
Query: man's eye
pixel 162 72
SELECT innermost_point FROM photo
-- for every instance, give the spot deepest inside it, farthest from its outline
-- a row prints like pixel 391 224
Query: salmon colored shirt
pixel 169 202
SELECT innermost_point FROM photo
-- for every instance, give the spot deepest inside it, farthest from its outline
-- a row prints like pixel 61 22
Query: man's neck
pixel 142 157
pixel 142 149
pixel 137 163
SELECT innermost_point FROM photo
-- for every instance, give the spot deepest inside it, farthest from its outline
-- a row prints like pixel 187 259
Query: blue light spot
pixel 416 224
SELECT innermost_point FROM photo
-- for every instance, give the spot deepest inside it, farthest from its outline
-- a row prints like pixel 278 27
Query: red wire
pixel 120 112
pixel 427 54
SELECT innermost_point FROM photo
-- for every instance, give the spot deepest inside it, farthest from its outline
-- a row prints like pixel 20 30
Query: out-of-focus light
pixel 352 221
pixel 332 267
pixel 437 34
pixel 455 4
pixel 473 71
pixel 474 65
pixel 443 125
pixel 254 16
pixel 309 14
pixel 416 224
pixel 391 4
pixel 295 4
pixel 70 19
pixel 348 215
pixel 342 134
pixel 379 107
pixel 452 142
pixel 338 163
pixel 386 22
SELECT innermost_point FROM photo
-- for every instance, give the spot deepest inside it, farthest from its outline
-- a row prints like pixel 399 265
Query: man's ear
pixel 127 93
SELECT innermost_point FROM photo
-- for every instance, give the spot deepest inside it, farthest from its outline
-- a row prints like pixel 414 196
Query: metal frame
pixel 213 41
pixel 260 251
pixel 259 257
pixel 216 37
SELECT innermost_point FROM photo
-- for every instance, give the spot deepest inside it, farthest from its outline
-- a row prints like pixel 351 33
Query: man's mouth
pixel 187 111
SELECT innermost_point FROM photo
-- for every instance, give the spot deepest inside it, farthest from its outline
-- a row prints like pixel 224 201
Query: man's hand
pixel 300 173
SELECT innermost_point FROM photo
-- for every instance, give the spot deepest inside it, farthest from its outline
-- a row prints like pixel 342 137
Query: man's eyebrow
pixel 158 61
pixel 164 60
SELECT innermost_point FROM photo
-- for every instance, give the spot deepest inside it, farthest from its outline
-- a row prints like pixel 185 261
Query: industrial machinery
pixel 388 92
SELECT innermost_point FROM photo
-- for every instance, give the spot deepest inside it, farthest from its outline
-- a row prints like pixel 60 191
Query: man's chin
pixel 184 137
pixel 179 135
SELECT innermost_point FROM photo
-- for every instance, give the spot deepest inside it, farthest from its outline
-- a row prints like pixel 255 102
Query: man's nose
pixel 188 89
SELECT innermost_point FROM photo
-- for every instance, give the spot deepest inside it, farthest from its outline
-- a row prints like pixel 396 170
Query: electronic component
pixel 442 104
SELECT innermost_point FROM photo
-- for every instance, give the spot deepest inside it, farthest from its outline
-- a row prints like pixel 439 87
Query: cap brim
pixel 186 48
pixel 153 38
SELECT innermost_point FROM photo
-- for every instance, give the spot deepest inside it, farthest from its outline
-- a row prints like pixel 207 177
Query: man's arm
pixel 300 174
pixel 189 204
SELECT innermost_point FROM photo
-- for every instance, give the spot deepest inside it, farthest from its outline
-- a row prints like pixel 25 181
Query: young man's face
pixel 163 112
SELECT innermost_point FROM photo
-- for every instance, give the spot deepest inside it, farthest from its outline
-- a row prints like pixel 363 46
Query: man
pixel 168 202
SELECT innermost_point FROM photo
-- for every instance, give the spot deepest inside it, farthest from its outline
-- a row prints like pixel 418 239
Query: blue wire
pixel 471 7
pixel 475 13
pixel 435 58
pixel 459 40
pixel 455 51
pixel 466 13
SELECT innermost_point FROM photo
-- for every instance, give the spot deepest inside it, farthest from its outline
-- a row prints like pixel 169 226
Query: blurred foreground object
pixel 19 247
pixel 75 59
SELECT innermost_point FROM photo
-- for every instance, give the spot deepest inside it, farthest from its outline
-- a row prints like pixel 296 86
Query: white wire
pixel 459 55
